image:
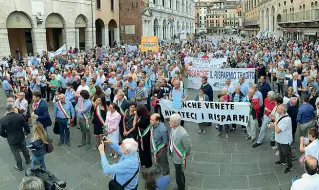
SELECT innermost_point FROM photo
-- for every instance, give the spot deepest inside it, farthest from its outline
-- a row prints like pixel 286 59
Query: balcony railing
pixel 251 22
pixel 309 15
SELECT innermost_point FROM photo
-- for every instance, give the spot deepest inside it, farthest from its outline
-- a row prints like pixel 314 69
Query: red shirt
pixel 205 57
pixel 269 106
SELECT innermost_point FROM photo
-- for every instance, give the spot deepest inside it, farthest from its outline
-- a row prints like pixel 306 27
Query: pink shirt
pixel 112 120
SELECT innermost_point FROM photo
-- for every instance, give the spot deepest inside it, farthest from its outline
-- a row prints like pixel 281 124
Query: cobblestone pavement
pixel 215 163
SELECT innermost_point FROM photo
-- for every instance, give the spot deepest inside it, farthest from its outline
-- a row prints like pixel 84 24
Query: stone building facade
pixel 162 18
pixel 33 26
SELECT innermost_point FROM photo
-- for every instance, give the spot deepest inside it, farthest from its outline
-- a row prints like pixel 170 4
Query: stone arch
pixel 156 27
pixel 19 25
pixel 55 31
pixel 99 32
pixel 111 33
pixel 81 23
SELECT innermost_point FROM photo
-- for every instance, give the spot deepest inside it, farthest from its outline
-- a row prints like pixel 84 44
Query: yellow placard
pixel 149 43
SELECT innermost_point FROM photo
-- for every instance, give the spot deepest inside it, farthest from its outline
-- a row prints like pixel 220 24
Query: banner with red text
pixel 217 77
pixel 213 112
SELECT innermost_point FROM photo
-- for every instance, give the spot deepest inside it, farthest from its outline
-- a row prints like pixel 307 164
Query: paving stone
pixel 212 157
pixel 210 147
pixel 239 169
pixel 263 180
pixel 249 157
pixel 225 182
pixel 203 168
pixel 85 185
pixel 278 187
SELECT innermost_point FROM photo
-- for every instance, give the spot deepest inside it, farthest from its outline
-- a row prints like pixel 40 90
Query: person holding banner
pixel 207 88
pixel 83 108
pixel 202 97
pixel 178 96
pixel 64 113
pixel 254 111
pixel 180 148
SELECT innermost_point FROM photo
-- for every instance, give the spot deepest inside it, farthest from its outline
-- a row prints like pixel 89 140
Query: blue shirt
pixel 68 108
pixel 35 62
pixel 260 98
pixel 88 78
pixel 85 109
pixel 131 93
pixel 64 81
pixel 305 113
pixel 70 95
pixel 244 89
pixel 6 85
pixel 124 169
pixel 162 182
pixel 34 86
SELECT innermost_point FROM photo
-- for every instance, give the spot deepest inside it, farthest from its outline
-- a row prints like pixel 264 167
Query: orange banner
pixel 149 43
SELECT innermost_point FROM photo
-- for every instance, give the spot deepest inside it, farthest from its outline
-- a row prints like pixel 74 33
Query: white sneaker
pixel 226 136
pixel 277 153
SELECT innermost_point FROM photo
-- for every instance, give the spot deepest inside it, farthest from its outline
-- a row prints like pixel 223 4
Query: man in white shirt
pixel 230 87
pixel 309 180
pixel 283 137
pixel 83 86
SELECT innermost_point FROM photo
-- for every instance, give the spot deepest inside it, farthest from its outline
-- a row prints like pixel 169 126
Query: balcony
pixel 302 16
pixel 250 22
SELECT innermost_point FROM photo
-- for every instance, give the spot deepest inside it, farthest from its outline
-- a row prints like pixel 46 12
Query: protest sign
pixel 149 43
pixel 217 77
pixel 214 112
pixel 60 51
pixel 130 48
pixel 212 62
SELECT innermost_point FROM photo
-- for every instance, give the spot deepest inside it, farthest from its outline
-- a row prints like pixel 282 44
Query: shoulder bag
pixel 114 185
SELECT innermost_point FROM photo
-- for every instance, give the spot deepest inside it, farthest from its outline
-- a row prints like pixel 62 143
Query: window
pixel 154 2
pixel 136 4
pixel 112 5
pixel 132 5
pixel 170 4
pixel 284 3
pixel 291 1
pixel 278 4
pixel 98 4
pixel 163 3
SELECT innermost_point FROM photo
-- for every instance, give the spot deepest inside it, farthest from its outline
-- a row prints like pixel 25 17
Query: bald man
pixel 10 99
pixel 309 180
pixel 159 144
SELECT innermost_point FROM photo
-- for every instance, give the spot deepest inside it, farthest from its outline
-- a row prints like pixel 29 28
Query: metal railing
pixel 251 22
pixel 308 15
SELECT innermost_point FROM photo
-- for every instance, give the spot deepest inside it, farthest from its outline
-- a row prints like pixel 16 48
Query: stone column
pixel 90 40
pixel 117 35
pixel 77 38
pixel 104 31
pixel 265 21
pixel 39 40
pixel 160 32
pixel 5 46
pixel 271 22
pixel 70 37
pixel 106 36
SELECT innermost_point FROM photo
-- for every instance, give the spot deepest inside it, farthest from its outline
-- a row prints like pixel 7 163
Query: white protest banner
pixel 60 51
pixel 212 62
pixel 131 48
pixel 217 77
pixel 215 112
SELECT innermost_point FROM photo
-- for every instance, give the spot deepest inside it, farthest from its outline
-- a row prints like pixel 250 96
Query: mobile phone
pixel 305 139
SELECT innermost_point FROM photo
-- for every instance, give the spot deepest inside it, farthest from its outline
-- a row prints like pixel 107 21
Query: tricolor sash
pixel 180 153
pixel 99 116
pixel 65 113
pixel 122 111
pixel 142 135
pixel 85 115
pixel 156 148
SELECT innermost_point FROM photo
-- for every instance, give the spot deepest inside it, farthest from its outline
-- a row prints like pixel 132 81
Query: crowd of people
pixel 115 94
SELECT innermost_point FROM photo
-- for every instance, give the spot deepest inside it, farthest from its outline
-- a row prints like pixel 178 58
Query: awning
pixel 293 29
pixel 311 31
